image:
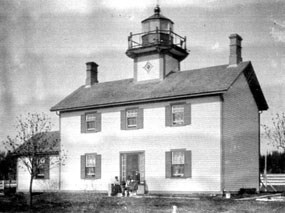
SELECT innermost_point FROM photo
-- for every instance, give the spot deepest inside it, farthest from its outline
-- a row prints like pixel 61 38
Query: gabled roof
pixel 47 143
pixel 198 82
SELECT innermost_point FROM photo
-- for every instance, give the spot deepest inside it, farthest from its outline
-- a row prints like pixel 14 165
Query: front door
pixel 132 165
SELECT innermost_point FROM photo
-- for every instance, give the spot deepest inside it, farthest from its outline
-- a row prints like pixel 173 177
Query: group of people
pixel 125 187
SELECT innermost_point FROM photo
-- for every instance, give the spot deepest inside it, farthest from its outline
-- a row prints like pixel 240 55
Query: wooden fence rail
pixel 273 179
pixel 7 183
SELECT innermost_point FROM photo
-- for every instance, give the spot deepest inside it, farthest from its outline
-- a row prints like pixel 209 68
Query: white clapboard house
pixel 190 131
pixel 46 177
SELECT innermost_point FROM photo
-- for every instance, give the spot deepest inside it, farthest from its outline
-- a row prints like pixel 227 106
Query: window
pixel 91 122
pixel 132 115
pixel 132 119
pixel 178 114
pixel 42 168
pixel 90 166
pixel 178 164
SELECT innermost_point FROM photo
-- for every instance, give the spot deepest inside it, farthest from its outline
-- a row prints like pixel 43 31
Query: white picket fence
pixel 273 179
pixel 2 186
pixel 7 184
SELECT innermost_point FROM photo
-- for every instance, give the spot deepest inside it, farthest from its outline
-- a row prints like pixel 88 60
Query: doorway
pixel 132 165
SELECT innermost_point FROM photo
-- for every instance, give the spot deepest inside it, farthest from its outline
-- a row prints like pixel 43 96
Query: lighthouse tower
pixel 157 50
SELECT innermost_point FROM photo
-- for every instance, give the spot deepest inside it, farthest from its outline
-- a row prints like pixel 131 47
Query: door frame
pixel 130 152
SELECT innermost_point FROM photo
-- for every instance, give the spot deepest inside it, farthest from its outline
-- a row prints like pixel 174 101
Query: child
pixel 133 186
pixel 127 187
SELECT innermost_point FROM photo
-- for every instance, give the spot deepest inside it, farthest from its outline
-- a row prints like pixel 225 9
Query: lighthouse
pixel 157 50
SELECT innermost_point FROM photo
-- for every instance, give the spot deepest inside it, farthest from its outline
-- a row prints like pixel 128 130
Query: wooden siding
pixel 51 184
pixel 202 137
pixel 240 138
pixel 170 64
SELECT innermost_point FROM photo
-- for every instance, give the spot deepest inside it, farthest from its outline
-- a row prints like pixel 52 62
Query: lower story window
pixel 42 168
pixel 90 165
pixel 177 164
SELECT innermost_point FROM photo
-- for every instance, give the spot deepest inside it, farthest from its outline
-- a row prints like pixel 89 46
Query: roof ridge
pixel 211 67
pixel 125 79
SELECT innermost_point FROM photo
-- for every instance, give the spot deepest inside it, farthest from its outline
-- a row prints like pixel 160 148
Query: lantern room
pixel 157 29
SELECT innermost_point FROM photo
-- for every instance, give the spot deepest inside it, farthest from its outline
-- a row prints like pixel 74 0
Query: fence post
pixel 265 171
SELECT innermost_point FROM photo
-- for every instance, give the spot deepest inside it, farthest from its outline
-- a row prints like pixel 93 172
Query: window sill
pixel 41 178
pixel 179 178
pixel 179 125
pixel 131 128
pixel 89 178
pixel 91 131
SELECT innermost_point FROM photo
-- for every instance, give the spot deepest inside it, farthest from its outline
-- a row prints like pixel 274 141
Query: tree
pixel 33 141
pixel 276 133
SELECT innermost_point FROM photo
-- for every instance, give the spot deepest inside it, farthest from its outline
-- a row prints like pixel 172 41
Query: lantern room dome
pixel 157 21
pixel 157 15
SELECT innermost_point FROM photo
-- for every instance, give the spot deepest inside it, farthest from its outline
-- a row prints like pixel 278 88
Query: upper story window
pixel 178 114
pixel 132 118
pixel 91 122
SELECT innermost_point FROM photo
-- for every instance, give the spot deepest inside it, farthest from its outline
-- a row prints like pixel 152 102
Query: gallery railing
pixel 156 37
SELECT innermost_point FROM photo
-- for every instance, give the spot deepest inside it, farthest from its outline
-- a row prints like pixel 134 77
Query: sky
pixel 44 46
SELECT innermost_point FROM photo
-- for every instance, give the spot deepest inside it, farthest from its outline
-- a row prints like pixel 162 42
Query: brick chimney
pixel 91 73
pixel 235 49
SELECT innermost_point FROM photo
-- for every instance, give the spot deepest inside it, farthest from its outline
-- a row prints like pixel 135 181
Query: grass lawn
pixel 91 202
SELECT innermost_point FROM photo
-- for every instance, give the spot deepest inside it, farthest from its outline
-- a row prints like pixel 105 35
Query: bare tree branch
pixel 276 133
pixel 33 141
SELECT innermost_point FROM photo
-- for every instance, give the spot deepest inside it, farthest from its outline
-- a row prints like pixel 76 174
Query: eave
pixel 141 101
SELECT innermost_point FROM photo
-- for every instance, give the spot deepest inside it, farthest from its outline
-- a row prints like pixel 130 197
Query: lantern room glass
pixel 153 24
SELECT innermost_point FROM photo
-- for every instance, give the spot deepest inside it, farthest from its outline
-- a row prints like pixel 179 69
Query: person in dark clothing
pixel 116 187
pixel 137 177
